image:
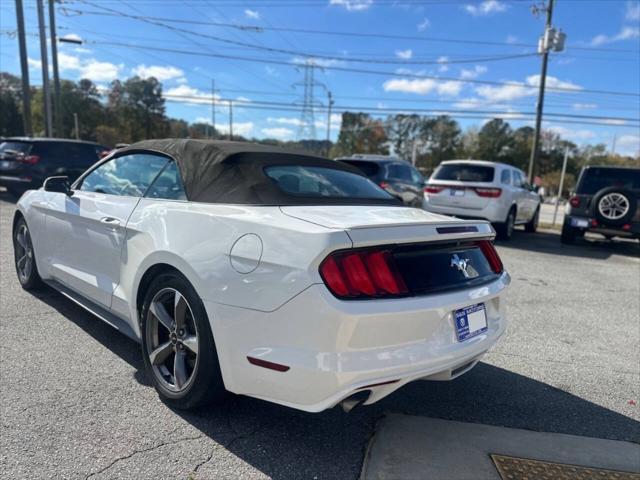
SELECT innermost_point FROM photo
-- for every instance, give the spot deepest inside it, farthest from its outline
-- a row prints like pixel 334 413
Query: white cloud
pixel 160 72
pixel 571 134
pixel 443 61
pixel 320 62
pixel 633 11
pixel 239 128
pixel 505 93
pixel 424 24
pixel 404 54
pixel 584 106
pixel 352 5
pixel 190 95
pixel 552 82
pixel 627 33
pixel 68 62
pixel 278 132
pixel 285 121
pixel 71 36
pixel 614 122
pixel 423 86
pixel 487 7
pixel 82 50
pixel 181 80
pixel 252 14
pixel 100 71
pixel 34 64
pixel 271 71
pixel 476 71
pixel 628 145
pixel 512 39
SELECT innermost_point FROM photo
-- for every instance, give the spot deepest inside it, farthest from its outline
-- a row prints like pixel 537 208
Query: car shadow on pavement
pixel 283 443
pixel 592 246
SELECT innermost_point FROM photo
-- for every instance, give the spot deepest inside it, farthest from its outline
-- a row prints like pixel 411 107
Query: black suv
pixel 396 176
pixel 606 202
pixel 26 162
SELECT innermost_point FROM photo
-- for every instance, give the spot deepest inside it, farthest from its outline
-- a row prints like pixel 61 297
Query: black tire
pixel 532 225
pixel 504 230
pixel 569 234
pixel 627 198
pixel 24 257
pixel 204 384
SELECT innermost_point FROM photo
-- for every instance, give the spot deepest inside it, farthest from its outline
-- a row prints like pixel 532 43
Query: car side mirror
pixel 58 184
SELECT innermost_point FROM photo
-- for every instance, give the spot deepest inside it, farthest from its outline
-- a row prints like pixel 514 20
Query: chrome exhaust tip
pixel 352 401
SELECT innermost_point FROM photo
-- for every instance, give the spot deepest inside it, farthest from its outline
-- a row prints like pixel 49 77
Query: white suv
pixel 491 191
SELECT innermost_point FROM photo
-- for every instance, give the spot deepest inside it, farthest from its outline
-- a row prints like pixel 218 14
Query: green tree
pixel 494 140
pixel 10 112
pixel 403 131
pixel 360 133
pixel 442 136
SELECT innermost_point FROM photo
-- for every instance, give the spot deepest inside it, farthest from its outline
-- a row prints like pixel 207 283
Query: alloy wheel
pixel 613 206
pixel 24 253
pixel 172 340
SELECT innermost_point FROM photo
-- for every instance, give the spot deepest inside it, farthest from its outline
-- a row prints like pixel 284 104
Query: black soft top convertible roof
pixel 233 172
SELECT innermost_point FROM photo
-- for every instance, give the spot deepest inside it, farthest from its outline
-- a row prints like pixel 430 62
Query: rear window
pixel 323 182
pixel 595 179
pixel 370 169
pixel 9 148
pixel 464 172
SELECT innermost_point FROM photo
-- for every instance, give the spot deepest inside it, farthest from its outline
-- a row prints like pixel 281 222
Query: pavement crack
pixel 142 450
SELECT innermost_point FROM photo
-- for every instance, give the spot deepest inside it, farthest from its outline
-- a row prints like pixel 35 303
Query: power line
pixel 369 72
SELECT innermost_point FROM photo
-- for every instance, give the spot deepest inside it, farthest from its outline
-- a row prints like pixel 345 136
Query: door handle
pixel 110 221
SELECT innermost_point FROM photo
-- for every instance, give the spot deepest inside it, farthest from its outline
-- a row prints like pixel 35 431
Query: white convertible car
pixel 264 272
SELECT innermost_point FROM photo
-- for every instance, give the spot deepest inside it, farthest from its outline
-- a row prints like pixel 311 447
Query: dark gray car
pixel 396 176
pixel 606 201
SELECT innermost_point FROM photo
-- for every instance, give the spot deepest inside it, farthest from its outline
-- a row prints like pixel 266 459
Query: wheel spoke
pixel 22 260
pixel 158 311
pixel 21 240
pixel 180 309
pixel 191 342
pixel 180 370
pixel 160 354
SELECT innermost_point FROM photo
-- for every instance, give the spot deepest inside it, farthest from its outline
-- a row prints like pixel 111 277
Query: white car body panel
pixel 471 205
pixel 256 268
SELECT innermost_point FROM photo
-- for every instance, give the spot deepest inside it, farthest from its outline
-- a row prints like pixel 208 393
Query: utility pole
pixel 564 169
pixel 230 119
pixel 552 39
pixel 45 71
pixel 56 74
pixel 330 102
pixel 213 108
pixel 24 68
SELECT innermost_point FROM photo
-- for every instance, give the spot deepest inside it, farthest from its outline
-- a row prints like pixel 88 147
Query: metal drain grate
pixel 513 468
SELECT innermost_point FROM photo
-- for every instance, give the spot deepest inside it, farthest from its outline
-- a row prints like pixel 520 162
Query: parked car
pixel 25 162
pixel 248 268
pixel 490 191
pixel 396 176
pixel 605 201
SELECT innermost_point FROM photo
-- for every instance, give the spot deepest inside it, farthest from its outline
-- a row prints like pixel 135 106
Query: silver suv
pixel 490 191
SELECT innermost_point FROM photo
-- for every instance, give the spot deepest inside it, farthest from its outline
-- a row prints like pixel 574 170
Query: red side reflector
pixel 491 254
pixel 626 227
pixel 574 202
pixel 488 192
pixel 433 189
pixel 594 223
pixel 270 365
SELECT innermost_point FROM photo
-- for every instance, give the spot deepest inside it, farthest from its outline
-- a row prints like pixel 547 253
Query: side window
pixel 168 185
pixel 416 176
pixel 399 172
pixel 505 177
pixel 517 179
pixel 129 175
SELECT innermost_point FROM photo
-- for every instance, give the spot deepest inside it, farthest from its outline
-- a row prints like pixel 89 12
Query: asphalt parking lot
pixel 74 401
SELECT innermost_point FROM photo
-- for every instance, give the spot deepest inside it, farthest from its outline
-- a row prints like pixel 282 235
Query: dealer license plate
pixel 456 192
pixel 579 222
pixel 470 321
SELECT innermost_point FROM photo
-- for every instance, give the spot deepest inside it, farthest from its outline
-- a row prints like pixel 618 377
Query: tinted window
pixel 168 184
pixel 128 175
pixel 10 148
pixel 416 176
pixel 505 177
pixel 68 153
pixel 464 172
pixel 370 169
pixel 517 179
pixel 399 172
pixel 595 179
pixel 323 182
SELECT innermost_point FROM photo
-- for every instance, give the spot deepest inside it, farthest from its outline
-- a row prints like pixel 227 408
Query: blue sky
pixel 602 54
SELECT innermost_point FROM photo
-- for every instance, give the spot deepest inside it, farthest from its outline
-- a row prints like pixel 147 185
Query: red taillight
pixel 433 189
pixel 488 192
pixel 29 159
pixel 365 273
pixel 384 184
pixel 574 202
pixel 491 254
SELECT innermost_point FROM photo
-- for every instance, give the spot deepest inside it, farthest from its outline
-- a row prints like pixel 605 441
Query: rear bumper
pixel 494 211
pixel 573 221
pixel 335 348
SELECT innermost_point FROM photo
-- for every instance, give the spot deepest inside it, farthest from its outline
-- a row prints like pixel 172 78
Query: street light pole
pixel 24 68
pixel 329 120
pixel 543 80
pixel 56 74
pixel 45 71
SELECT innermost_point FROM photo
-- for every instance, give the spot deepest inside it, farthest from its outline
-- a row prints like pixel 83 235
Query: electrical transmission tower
pixel 307 128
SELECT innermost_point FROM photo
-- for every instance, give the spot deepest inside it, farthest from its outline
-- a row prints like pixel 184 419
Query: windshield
pixel 595 179
pixel 464 172
pixel 323 182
